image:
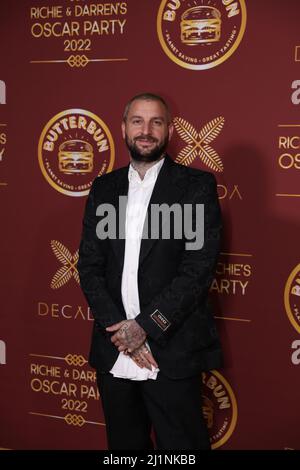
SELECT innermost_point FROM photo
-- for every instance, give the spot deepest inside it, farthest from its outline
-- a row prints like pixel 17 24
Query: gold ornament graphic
pixel 69 261
pixel 75 360
pixel 198 143
pixel 78 60
pixel 74 420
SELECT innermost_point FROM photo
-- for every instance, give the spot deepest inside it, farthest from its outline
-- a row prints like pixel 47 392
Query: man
pixel 154 332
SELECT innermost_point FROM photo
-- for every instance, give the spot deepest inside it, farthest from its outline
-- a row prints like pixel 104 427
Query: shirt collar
pixel 151 173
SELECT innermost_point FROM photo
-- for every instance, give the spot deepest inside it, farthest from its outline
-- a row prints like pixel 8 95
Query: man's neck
pixel 143 167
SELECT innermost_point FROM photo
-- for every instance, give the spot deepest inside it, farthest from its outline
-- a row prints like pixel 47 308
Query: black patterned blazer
pixel 173 282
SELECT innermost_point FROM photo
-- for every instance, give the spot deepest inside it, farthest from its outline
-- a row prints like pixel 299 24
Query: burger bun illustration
pixel 75 157
pixel 200 25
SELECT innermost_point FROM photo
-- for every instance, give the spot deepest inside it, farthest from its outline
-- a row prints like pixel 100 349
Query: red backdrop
pixel 229 70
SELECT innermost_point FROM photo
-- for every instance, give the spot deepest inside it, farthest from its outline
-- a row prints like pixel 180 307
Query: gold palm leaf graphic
pixel 61 277
pixel 75 272
pixel 75 257
pixel 198 143
pixel 61 252
pixel 211 130
pixel 210 157
pixel 69 268
pixel 76 276
pixel 186 131
pixel 187 155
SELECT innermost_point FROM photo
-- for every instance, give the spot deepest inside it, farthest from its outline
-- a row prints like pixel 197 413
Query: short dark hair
pixel 147 97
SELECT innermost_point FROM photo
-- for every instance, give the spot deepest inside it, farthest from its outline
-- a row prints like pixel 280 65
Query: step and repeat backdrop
pixel 230 70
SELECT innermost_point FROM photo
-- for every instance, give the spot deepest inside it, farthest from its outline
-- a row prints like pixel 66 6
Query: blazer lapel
pixel 120 189
pixel 168 189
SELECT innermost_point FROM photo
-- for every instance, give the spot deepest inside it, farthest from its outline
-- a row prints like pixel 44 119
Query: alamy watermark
pixel 2 92
pixel 2 352
pixel 161 222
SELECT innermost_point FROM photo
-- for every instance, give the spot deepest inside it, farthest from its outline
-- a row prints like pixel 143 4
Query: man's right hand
pixel 142 356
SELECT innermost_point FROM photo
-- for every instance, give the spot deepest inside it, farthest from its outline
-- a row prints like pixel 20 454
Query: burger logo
pixel 200 34
pixel 292 298
pixel 219 408
pixel 200 25
pixel 75 146
pixel 75 156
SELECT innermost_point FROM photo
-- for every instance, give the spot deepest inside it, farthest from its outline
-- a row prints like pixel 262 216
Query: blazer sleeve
pixel 91 268
pixel 168 310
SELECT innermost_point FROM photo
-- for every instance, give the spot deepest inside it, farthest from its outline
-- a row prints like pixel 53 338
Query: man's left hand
pixel 129 335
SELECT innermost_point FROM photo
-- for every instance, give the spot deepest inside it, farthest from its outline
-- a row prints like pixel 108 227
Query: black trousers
pixel 172 407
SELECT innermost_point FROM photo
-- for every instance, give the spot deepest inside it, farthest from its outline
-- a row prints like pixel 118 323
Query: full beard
pixel 146 155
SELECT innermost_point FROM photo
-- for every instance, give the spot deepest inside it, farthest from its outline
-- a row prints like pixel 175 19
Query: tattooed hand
pixel 129 335
pixel 143 358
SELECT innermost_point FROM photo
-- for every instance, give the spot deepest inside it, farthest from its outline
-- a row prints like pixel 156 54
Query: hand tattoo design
pixel 129 336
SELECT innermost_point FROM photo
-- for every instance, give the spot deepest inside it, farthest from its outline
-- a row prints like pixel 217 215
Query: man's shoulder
pixel 193 174
pixel 110 178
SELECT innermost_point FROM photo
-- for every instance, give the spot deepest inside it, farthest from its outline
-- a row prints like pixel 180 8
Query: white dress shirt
pixel 139 194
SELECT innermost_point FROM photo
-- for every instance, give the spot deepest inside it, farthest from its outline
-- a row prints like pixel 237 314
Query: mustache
pixel 145 137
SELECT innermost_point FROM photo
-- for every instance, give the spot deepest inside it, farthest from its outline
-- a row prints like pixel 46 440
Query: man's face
pixel 146 130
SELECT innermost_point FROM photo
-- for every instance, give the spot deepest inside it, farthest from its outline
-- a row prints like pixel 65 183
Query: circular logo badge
pixel 200 34
pixel 219 408
pixel 75 147
pixel 292 298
